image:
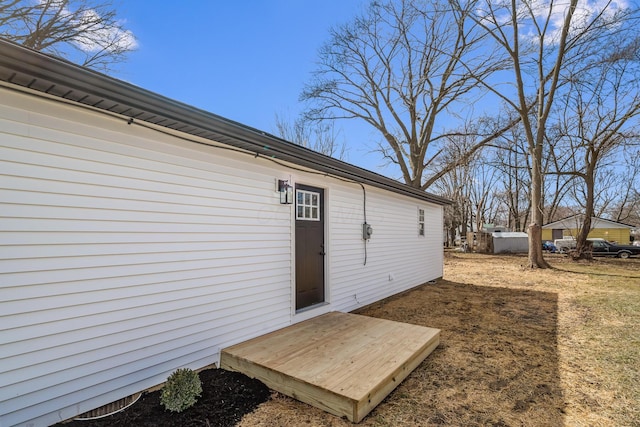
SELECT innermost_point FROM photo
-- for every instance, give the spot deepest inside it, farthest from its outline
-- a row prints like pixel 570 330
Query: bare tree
pixel 455 213
pixel 82 31
pixel 598 120
pixel 483 194
pixel 471 185
pixel 457 216
pixel 319 136
pixel 455 186
pixel 512 163
pixel 399 68
pixel 627 206
pixel 557 187
pixel 541 39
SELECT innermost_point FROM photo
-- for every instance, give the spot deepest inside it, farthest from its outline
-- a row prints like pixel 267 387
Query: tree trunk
pixel 452 236
pixel 536 260
pixel 535 247
pixel 583 246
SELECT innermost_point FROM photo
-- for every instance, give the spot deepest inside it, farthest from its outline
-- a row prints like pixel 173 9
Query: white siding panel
pixel 124 255
pixel 395 249
pixel 146 324
pixel 209 276
pixel 72 366
pixel 50 250
pixel 115 272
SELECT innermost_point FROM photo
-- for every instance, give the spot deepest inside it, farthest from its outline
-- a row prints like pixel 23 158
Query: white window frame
pixel 308 208
pixel 421 223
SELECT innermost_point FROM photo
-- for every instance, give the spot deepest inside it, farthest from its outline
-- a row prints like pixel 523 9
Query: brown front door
pixel 310 251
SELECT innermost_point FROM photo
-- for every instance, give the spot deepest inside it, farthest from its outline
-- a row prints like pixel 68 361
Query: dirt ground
pixel 518 348
pixel 514 351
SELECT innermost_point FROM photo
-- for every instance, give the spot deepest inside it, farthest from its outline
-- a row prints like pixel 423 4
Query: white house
pixel 139 235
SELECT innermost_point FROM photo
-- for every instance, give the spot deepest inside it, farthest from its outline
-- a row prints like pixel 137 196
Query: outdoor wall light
pixel 286 192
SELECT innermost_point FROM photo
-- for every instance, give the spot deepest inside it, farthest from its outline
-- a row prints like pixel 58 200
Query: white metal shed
pixel 510 242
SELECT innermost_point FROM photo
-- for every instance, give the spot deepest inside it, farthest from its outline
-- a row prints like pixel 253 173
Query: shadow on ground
pixel 595 267
pixel 497 364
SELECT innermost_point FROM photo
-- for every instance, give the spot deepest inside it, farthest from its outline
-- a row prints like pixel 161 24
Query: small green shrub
pixel 181 391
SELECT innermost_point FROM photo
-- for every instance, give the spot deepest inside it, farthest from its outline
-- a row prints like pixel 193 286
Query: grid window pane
pixel 308 205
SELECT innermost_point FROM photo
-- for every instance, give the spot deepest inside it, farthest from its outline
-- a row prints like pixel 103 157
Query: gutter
pixel 60 78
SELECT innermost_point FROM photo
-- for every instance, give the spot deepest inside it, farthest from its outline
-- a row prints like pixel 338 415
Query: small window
pixel 420 222
pixel 307 205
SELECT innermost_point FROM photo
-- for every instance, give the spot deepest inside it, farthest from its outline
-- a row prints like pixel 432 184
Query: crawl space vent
pixel 110 408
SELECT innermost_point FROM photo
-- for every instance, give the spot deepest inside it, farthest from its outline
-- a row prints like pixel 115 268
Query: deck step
pixel 342 363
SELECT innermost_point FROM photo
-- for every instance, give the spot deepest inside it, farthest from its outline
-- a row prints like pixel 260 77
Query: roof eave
pixel 44 73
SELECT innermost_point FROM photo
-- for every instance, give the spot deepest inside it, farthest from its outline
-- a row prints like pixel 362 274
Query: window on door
pixel 308 205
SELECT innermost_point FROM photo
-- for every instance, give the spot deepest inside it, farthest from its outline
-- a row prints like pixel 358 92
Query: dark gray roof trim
pixel 44 73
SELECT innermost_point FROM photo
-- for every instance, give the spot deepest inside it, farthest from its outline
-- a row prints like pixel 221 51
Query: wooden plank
pixel 345 364
pixel 394 379
pixel 291 386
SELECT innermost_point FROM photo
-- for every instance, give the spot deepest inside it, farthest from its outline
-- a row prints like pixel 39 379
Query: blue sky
pixel 245 61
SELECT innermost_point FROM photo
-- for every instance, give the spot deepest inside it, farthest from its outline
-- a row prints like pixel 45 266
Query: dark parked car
pixel 604 248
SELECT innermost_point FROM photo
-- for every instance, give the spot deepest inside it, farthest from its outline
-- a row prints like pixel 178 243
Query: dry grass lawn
pixel 518 348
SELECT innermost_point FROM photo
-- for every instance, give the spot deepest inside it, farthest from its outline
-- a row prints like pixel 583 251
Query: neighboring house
pixel 600 228
pixel 140 235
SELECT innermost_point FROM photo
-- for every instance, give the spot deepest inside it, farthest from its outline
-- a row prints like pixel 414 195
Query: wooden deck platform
pixel 342 363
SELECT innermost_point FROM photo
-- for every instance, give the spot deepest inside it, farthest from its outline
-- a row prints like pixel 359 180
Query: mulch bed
pixel 226 398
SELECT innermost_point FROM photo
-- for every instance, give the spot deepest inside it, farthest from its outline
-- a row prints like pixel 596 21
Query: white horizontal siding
pixel 125 254
pixel 394 248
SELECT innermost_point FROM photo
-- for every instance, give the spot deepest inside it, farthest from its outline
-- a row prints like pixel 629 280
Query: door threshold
pixel 312 307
